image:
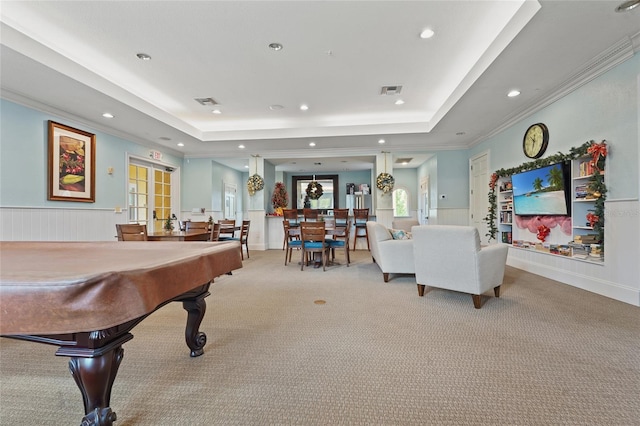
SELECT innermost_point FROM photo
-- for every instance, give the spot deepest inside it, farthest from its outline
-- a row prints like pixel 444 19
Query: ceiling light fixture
pixel 107 115
pixel 304 107
pixel 241 146
pixel 180 144
pixel 312 144
pixel 246 166
pixel 513 93
pixel 143 56
pixel 381 141
pixel 427 33
pixel 399 102
pixel 275 107
pixel 275 46
pixel 216 111
pixel 626 6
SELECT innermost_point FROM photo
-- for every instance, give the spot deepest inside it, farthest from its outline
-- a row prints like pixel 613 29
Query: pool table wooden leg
pixel 95 376
pixel 196 308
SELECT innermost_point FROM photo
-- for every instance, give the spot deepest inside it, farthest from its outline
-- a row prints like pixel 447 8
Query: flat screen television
pixel 543 192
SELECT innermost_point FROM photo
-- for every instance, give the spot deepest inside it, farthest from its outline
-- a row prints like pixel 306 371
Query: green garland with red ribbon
pixel 598 153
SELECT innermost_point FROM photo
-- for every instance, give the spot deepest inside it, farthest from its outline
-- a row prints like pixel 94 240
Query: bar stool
pixel 360 218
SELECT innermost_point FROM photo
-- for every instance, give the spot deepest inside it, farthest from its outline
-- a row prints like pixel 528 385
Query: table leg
pixel 196 308
pixel 94 376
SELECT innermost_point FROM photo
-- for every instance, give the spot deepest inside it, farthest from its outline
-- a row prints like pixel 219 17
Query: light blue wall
pixel 605 108
pixel 453 179
pixel 23 160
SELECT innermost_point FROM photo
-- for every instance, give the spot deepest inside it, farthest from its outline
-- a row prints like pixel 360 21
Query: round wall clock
pixel 535 140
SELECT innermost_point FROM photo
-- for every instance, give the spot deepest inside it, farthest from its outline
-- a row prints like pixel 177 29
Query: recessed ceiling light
pixel 626 6
pixel 427 33
pixel 312 144
pixel 107 115
pixel 275 107
pixel 246 166
pixel 304 107
pixel 399 102
pixel 180 144
pixel 404 163
pixel 513 93
pixel 241 146
pixel 381 141
pixel 275 46
pixel 143 56
pixel 216 111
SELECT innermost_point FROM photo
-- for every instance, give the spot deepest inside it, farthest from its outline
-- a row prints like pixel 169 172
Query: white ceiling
pixel 78 60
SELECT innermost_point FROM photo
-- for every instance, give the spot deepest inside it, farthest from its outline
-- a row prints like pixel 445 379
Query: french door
pixel 149 194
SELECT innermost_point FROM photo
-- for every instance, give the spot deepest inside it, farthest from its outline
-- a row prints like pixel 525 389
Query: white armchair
pixel 392 256
pixel 450 257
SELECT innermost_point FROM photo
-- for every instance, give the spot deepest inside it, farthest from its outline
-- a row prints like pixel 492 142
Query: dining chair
pixel 313 236
pixel 340 216
pixel 310 214
pixel 196 225
pixel 131 232
pixel 244 237
pixel 341 240
pixel 290 215
pixel 291 241
pixel 215 232
pixel 360 218
pixel 227 229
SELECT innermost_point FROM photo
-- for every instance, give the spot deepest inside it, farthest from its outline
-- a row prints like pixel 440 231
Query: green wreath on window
pixel 314 190
pixel 385 182
pixel 255 184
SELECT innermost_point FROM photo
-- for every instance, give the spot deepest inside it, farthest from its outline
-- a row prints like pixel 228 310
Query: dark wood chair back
pixel 215 232
pixel 313 236
pixel 131 232
pixel 196 225
pixel 310 214
pixel 292 216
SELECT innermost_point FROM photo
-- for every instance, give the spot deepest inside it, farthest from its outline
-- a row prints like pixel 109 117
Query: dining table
pixel 191 235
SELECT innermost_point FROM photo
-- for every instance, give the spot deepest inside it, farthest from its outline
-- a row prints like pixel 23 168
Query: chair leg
pixel 496 291
pixel 247 246
pixel 421 290
pixel 385 277
pixel 477 301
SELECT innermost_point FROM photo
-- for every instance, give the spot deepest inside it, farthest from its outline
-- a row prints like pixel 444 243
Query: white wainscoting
pixel 618 277
pixel 58 224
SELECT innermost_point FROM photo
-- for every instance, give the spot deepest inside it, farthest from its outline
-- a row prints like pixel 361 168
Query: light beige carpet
pixel 375 353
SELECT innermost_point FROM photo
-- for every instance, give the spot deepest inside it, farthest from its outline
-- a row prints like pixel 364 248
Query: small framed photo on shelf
pixel 71 164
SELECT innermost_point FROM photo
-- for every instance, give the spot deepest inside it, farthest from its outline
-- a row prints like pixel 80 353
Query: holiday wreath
pixel 314 190
pixel 385 182
pixel 255 183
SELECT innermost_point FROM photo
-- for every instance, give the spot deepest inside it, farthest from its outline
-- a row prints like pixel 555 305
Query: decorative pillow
pixel 400 234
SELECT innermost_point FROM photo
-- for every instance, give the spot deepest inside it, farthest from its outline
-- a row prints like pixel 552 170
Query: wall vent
pixel 390 90
pixel 206 101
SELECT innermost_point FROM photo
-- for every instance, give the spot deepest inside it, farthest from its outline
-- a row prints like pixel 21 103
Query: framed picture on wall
pixel 72 161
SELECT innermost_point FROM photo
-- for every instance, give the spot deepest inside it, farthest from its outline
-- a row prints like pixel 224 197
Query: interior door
pixel 479 202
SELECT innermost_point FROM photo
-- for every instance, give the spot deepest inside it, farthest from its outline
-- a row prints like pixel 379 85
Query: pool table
pixel 85 297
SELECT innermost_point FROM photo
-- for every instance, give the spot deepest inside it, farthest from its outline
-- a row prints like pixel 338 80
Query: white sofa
pixel 450 257
pixel 392 256
pixel 404 224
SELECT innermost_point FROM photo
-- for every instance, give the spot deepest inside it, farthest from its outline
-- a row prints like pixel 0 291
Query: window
pixel 400 202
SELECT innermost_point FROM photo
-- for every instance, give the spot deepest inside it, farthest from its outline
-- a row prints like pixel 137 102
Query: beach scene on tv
pixel 539 192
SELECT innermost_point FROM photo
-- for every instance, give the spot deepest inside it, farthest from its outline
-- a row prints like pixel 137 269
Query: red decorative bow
pixel 492 182
pixel 592 219
pixel 543 231
pixel 597 150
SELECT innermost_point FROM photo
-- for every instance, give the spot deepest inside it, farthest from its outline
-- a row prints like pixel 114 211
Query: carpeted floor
pixel 374 353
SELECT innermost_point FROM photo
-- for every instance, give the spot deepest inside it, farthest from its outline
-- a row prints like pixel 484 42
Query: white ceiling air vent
pixel 390 90
pixel 206 101
pixel 403 160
